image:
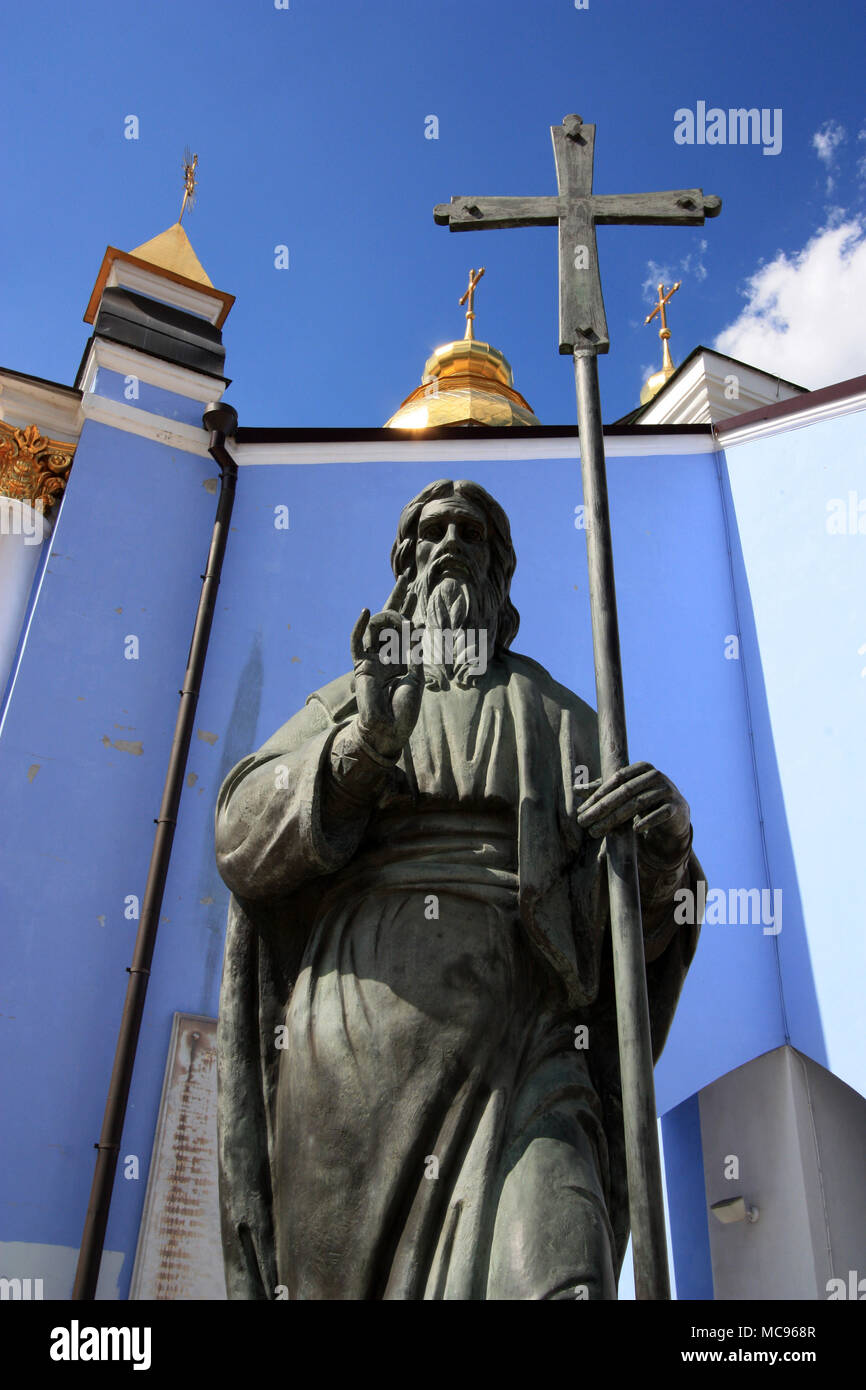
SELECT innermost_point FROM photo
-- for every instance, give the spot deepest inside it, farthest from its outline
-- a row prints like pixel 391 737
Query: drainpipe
pixel 220 420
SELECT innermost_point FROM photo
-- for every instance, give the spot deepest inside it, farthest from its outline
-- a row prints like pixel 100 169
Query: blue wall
pixel 805 585
pixel 125 559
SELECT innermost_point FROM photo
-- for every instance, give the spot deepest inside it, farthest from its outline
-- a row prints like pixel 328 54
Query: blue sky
pixel 309 123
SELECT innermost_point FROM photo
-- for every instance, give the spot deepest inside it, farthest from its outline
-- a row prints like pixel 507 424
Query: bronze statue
pixel 419 1079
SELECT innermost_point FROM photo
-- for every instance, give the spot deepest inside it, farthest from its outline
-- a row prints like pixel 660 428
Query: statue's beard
pixel 461 619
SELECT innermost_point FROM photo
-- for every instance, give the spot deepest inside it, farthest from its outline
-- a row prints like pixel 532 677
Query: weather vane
pixel 470 307
pixel 664 331
pixel 190 162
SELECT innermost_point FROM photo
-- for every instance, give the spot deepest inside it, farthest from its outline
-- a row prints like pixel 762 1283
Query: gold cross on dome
pixel 470 306
pixel 664 331
pixel 660 307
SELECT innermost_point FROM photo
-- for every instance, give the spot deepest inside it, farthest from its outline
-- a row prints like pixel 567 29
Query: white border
pixel 797 420
pixel 697 394
pixel 155 286
pixel 453 450
pixel 55 412
pixel 166 376
pixel 131 419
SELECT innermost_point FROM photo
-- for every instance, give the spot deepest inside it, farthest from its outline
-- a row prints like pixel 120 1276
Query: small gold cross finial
pixel 664 331
pixel 190 162
pixel 469 296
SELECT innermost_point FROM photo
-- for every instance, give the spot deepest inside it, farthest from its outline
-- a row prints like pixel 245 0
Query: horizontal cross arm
pixel 464 213
pixel 684 206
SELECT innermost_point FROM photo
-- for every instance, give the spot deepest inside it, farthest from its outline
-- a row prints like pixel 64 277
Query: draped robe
pixel 419 1087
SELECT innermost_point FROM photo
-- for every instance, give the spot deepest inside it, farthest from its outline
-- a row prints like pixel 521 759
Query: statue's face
pixel 453 589
pixel 452 543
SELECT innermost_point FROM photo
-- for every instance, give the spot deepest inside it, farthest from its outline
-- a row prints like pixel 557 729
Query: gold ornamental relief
pixel 33 468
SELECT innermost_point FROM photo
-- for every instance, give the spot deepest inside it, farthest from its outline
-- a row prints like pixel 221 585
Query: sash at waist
pixel 471 852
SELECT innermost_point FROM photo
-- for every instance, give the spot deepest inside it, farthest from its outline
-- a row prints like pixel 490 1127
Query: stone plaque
pixel 179 1255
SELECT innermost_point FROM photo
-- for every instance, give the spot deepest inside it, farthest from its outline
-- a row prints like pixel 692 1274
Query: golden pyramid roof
pixel 172 250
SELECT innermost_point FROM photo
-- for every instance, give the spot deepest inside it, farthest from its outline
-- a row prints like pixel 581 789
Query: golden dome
pixel 464 383
pixel 654 383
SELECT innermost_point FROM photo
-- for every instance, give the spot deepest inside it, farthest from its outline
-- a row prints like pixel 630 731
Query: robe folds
pixel 419 1092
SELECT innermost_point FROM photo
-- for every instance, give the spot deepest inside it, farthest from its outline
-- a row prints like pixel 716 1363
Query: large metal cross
pixel 577 212
pixel 583 333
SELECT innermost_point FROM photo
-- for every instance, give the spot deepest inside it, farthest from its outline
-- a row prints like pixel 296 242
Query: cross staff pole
pixel 583 334
pixel 643 1163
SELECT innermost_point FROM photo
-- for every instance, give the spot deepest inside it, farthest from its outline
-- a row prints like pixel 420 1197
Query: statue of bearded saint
pixel 419 1092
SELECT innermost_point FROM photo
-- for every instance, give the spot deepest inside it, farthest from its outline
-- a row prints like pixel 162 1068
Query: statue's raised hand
pixel 388 695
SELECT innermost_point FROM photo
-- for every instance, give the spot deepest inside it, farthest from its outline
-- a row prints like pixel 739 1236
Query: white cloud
pixel 655 275
pixel 691 266
pixel 825 142
pixel 804 313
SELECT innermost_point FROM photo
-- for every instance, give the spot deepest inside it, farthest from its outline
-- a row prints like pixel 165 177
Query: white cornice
pixel 697 394
pixel 455 450
pixel 167 376
pixel 132 420
pixel 56 412
pixel 59 414
pixel 156 286
pixel 796 420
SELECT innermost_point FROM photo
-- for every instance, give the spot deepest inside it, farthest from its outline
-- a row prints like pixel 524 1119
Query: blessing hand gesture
pixel 388 694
